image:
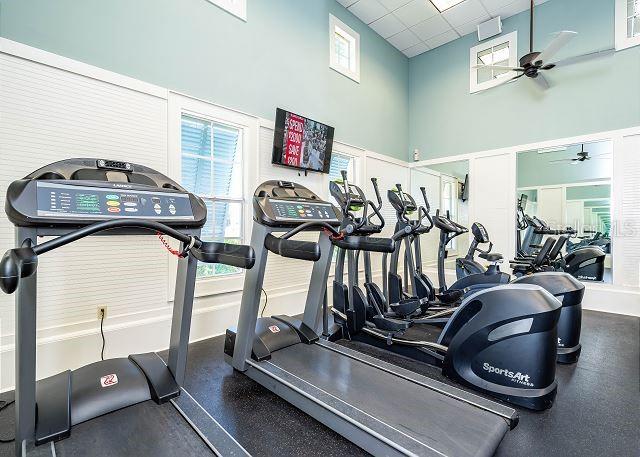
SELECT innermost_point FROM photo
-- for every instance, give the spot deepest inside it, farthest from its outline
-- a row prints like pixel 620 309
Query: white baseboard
pixel 212 316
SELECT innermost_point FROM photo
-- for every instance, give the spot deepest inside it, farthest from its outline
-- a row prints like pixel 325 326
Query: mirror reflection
pixel 448 193
pixel 564 194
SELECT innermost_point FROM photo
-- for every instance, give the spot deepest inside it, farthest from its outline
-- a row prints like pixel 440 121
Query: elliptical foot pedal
pixel 389 324
pixel 405 307
pixel 450 296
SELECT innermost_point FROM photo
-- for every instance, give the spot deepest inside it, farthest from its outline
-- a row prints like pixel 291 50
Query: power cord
pixel 266 300
pixel 4 405
pixel 104 342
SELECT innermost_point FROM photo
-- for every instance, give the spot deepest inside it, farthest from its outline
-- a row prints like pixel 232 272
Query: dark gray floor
pixel 597 410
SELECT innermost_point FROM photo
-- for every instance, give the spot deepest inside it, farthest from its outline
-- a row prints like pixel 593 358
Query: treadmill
pixel 382 408
pixel 70 200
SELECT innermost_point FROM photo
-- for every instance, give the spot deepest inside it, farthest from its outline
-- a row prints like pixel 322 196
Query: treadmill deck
pixel 380 407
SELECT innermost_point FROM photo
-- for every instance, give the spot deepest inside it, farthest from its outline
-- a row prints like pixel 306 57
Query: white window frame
pixel 236 7
pixel 337 26
pixel 622 40
pixel 512 39
pixel 248 126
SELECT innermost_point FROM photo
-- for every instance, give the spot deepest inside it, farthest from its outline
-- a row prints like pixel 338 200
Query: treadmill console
pixel 78 192
pixel 60 201
pixel 284 210
pixel 287 204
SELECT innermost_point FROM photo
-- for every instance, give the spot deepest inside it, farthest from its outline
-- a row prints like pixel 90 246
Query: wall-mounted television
pixel 302 143
pixel 464 193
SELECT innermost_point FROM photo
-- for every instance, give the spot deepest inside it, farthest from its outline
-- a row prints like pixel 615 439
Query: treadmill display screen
pixel 286 210
pixel 68 201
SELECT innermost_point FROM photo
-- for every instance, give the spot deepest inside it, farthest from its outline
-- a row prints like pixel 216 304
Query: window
pixel 344 49
pixel 499 51
pixel 236 7
pixel 341 162
pixel 627 23
pixel 211 164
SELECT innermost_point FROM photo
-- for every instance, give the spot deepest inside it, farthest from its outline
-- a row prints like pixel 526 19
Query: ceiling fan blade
pixel 562 161
pixel 541 82
pixel 498 67
pixel 586 57
pixel 560 41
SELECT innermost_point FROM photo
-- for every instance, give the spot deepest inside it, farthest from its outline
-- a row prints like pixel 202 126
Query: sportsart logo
pixel 518 377
pixel 109 380
pixel 274 329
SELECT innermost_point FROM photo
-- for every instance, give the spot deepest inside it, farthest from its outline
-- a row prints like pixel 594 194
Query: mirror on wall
pixel 564 193
pixel 445 187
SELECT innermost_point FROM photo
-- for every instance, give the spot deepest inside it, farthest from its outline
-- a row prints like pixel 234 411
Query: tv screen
pixel 301 143
pixel 465 189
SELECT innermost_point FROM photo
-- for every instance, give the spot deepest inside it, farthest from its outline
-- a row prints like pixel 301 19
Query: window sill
pixel 349 74
pixel 219 285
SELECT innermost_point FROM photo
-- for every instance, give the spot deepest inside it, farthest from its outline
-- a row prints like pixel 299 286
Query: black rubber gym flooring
pixel 597 410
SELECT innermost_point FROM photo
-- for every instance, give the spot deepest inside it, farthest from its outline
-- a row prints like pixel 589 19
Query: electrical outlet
pixel 102 312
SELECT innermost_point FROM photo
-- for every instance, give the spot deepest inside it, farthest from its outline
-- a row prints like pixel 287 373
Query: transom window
pixel 499 51
pixel 633 18
pixel 627 23
pixel 496 55
pixel 344 49
pixel 212 169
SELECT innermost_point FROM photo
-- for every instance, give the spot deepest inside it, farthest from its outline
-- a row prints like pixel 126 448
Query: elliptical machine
pixel 416 284
pixel 489 278
pixel 500 341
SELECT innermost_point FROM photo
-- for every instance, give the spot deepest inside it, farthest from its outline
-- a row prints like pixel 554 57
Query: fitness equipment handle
pixel 236 255
pixel 23 261
pixel 369 244
pixel 293 249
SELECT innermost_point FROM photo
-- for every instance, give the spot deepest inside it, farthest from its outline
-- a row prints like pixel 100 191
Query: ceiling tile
pixel 404 40
pixel 415 12
pixel 510 9
pixel 466 29
pixel 393 4
pixel 493 5
pixel 368 10
pixel 415 50
pixel 431 27
pixel 347 3
pixel 387 25
pixel 442 39
pixel 466 12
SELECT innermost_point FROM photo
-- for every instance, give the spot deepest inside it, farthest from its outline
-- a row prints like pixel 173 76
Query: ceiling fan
pixel 533 63
pixel 582 156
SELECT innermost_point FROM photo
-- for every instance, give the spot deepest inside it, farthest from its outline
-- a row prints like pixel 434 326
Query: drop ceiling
pixel 416 26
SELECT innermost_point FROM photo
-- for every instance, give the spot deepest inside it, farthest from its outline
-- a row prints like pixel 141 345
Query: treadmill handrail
pixel 22 262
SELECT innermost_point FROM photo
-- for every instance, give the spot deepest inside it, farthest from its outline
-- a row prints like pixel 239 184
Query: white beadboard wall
pixel 47 114
pixel 626 210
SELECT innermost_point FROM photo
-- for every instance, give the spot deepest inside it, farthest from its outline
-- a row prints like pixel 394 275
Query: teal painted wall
pixel 280 57
pixel 446 120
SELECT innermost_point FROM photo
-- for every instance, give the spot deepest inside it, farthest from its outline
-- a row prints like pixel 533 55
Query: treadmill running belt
pixel 145 429
pixel 421 420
